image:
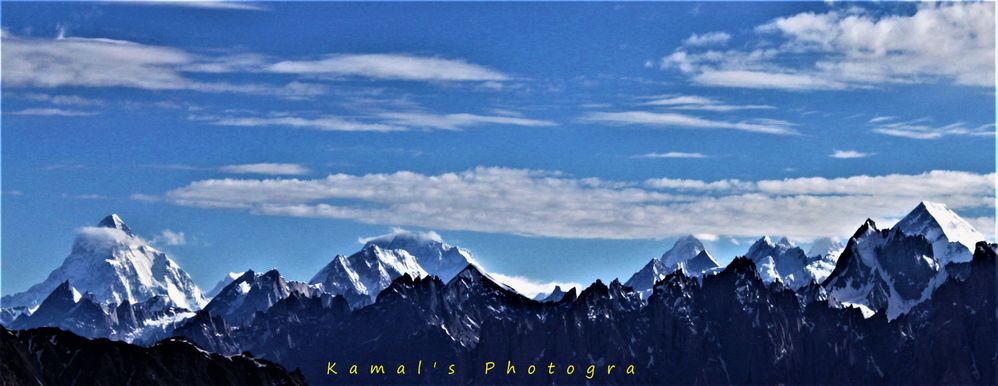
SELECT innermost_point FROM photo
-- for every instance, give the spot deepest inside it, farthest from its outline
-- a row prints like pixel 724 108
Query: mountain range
pixel 866 305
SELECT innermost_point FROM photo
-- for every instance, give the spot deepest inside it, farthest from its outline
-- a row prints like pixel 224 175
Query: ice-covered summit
pixel 952 238
pixel 434 255
pixel 115 265
pixel 685 248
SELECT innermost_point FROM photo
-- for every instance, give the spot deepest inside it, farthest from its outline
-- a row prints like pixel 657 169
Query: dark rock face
pixel 49 356
pixel 252 292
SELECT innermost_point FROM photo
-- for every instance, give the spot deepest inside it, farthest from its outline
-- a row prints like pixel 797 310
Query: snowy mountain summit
pixel 433 255
pixel 952 238
pixel 897 268
pixel 362 275
pixel 114 265
pixel 688 254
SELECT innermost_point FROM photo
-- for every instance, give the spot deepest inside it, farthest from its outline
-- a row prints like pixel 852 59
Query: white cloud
pixel 274 169
pixel 169 237
pixel 766 80
pixel 379 122
pixel 879 119
pixel 848 154
pixel 526 202
pixel 672 154
pixel 457 121
pixel 62 100
pixel 710 38
pixel 396 232
pixel 693 102
pixel 985 225
pixel 96 62
pixel 391 66
pixel 920 129
pixel 205 4
pixel 940 43
pixel 324 123
pixel 50 112
pixel 688 121
pixel 530 287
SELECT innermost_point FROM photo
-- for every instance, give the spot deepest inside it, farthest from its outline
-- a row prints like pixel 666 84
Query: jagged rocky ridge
pixel 728 328
pixel 49 356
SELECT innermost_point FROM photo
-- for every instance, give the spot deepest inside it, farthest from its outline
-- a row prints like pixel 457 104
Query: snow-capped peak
pixel 685 248
pixel 362 275
pixel 434 255
pixel 952 238
pixel 115 265
pixel 115 222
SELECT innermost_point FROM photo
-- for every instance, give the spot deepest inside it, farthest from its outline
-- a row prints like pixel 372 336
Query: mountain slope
pixel 115 265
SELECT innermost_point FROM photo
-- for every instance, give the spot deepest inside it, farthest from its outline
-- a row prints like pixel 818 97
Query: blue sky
pixel 557 142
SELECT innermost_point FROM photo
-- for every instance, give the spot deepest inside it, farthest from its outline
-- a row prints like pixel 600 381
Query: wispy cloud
pixel 323 123
pixel 62 100
pixel 378 121
pixel 658 119
pixel 693 102
pixel 671 154
pixel 391 66
pixel 98 62
pixel 526 202
pixel 849 154
pixel 274 169
pixel 707 39
pixel 169 237
pixel 855 48
pixel 879 119
pixel 53 112
pixel 204 4
pixel 922 129
pixel 458 121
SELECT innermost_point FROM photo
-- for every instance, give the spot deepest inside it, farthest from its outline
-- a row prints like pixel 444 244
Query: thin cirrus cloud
pixel 273 169
pixel 671 154
pixel 380 122
pixel 538 203
pixel 202 4
pixel 922 129
pixel 660 119
pixel 458 121
pixel 99 62
pixel 849 154
pixel 391 66
pixel 323 123
pixel 855 48
pixel 694 102
pixel 53 112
